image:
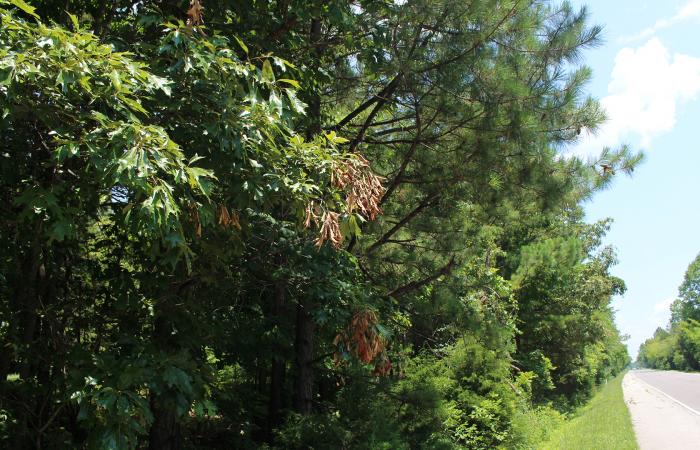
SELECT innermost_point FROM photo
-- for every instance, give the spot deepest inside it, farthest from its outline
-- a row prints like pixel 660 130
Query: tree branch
pixel 407 158
pixel 478 43
pixel 421 206
pixel 381 101
pixel 388 89
pixel 413 285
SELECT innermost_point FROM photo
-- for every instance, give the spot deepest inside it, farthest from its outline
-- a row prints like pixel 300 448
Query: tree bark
pixel 304 382
pixel 165 432
pixel 277 371
pixel 27 296
pixel 304 385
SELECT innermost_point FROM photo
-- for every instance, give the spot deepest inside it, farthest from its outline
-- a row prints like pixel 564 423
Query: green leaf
pixel 21 4
pixel 74 21
pixel 66 151
pixel 133 104
pixel 335 139
pixel 163 84
pixel 267 72
pixel 340 140
pixel 353 225
pixel 13 377
pixel 63 79
pixel 116 81
pixel 294 83
pixel 210 407
pixel 241 44
pixel 297 105
pixel 177 378
pixel 5 76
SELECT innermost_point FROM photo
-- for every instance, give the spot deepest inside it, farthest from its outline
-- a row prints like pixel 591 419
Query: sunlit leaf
pixel 24 6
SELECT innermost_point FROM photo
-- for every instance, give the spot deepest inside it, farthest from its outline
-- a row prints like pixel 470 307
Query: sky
pixel 647 76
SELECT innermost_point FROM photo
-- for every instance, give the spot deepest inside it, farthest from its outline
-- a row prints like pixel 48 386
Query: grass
pixel 603 424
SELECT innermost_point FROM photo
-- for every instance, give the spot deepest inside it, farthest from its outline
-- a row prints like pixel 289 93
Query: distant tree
pixel 689 291
pixel 678 346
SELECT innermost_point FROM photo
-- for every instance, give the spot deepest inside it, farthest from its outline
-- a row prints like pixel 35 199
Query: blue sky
pixel 647 76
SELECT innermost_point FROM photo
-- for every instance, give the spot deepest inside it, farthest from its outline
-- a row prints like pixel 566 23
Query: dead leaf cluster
pixel 330 230
pixel 364 188
pixel 361 340
pixel 228 219
pixel 195 15
pixel 194 218
pixel 364 191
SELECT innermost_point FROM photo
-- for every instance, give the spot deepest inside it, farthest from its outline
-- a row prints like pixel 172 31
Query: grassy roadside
pixel 603 424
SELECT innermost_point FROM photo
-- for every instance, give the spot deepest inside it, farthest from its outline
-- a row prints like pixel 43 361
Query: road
pixel 665 408
pixel 682 386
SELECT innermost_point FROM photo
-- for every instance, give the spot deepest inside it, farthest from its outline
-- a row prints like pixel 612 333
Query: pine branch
pixel 383 99
pixel 428 201
pixel 382 95
pixel 478 43
pixel 404 163
pixel 413 285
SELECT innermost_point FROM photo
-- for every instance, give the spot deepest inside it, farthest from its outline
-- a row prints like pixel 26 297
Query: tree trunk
pixel 277 370
pixel 304 385
pixel 165 432
pixel 32 272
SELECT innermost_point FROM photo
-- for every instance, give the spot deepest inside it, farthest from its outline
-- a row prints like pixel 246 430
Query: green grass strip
pixel 603 424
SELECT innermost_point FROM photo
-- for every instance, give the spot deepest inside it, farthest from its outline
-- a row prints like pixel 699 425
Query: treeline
pixel 293 224
pixel 677 346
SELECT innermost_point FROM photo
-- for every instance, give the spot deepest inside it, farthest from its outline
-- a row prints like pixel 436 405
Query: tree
pixel 115 153
pixel 296 224
pixel 564 289
pixel 689 291
pixel 678 346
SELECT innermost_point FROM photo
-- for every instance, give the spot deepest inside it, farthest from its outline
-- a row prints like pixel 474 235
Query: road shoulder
pixel 658 421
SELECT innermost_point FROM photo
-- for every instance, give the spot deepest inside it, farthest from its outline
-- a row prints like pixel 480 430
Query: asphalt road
pixel 683 387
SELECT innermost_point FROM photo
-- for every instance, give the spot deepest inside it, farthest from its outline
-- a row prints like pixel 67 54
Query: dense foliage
pixel 290 224
pixel 677 346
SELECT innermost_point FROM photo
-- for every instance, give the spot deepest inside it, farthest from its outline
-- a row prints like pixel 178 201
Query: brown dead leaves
pixel 228 219
pixel 361 340
pixel 364 188
pixel 363 192
pixel 195 15
pixel 329 222
pixel 195 219
pixel 330 230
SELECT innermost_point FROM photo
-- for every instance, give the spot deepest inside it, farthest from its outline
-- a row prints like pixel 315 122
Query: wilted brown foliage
pixel 195 15
pixel 330 230
pixel 363 192
pixel 361 340
pixel 364 188
pixel 228 219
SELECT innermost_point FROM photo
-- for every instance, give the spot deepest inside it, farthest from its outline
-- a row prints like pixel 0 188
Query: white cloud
pixel 689 10
pixel 663 308
pixel 647 84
